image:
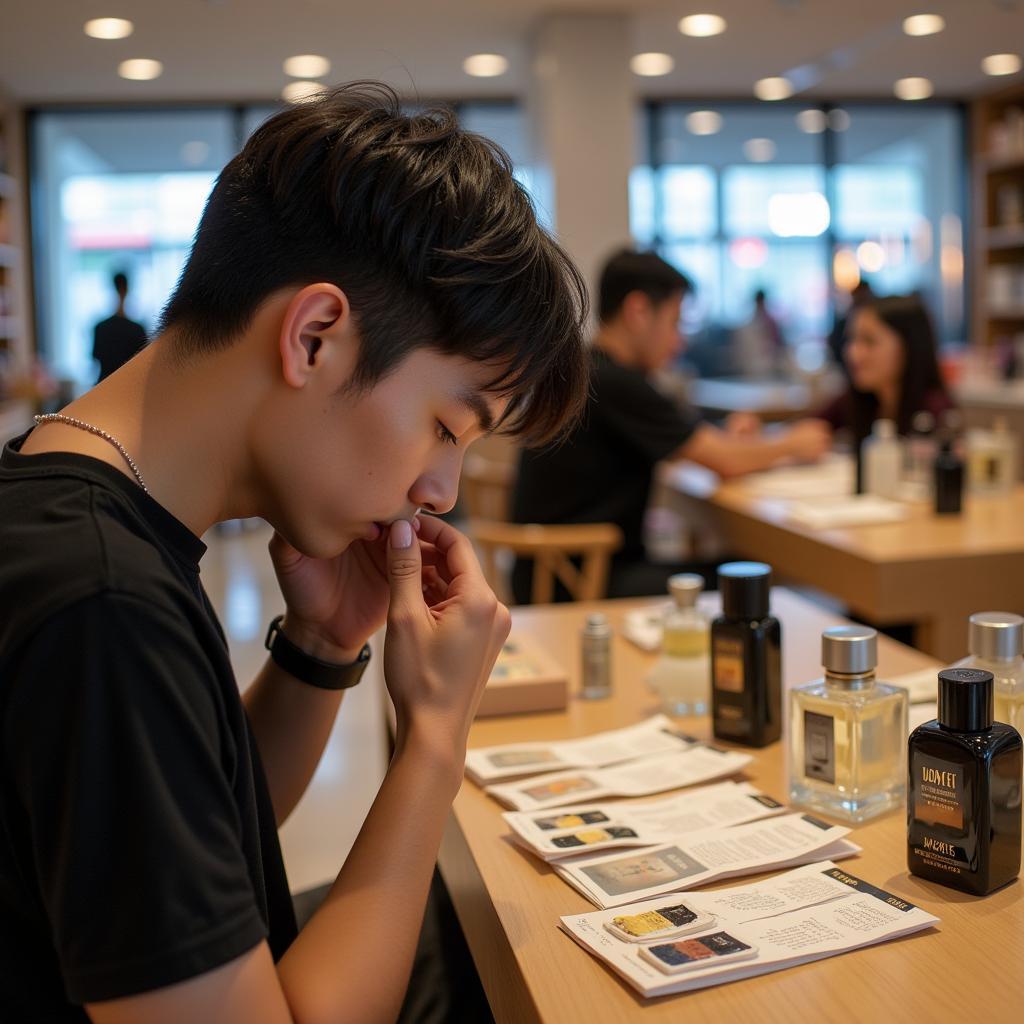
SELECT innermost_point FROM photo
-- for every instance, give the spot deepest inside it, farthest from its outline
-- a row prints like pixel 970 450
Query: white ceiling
pixel 233 49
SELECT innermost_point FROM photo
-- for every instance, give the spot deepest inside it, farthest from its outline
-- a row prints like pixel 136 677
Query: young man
pixel 602 473
pixel 367 294
pixel 116 339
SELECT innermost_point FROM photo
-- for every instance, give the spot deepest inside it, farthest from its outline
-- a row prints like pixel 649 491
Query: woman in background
pixel 891 355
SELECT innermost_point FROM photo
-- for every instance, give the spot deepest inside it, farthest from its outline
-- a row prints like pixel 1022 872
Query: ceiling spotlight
pixel 702 25
pixel 485 65
pixel 759 151
pixel 140 69
pixel 304 89
pixel 1001 64
pixel 913 89
pixel 307 65
pixel 704 122
pixel 109 28
pixel 773 89
pixel 651 65
pixel 812 121
pixel 923 24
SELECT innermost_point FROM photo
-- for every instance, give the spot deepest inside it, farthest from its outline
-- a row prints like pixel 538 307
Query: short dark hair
pixel 631 271
pixel 121 282
pixel 421 224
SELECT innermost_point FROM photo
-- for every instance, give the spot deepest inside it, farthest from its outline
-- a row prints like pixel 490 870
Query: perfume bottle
pixel 964 790
pixel 597 658
pixel 847 732
pixel 883 460
pixel 949 480
pixel 996 644
pixel 680 675
pixel 746 658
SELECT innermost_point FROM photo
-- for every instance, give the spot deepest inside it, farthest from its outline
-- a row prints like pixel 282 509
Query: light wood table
pixel 931 571
pixel 971 966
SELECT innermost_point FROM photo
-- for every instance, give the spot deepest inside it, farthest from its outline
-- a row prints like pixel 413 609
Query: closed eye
pixel 445 434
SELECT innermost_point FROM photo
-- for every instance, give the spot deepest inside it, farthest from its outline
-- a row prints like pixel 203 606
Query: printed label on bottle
pixel 938 792
pixel 727 665
pixel 819 747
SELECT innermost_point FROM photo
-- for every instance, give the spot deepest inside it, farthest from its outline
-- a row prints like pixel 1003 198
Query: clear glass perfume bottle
pixel 996 644
pixel 681 675
pixel 847 737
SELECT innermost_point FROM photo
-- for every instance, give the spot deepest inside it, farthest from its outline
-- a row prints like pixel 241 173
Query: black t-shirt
pixel 115 341
pixel 602 473
pixel 137 838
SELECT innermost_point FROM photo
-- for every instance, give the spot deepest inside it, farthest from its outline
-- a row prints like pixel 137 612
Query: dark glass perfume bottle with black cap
pixel 746 658
pixel 964 790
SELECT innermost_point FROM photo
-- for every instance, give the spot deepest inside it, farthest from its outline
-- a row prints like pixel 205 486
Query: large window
pixel 802 203
pixel 124 190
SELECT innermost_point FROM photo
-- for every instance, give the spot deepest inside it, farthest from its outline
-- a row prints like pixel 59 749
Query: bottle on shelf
pixel 597 657
pixel 964 790
pixel 992 459
pixel 746 658
pixel 680 675
pixel 847 732
pixel 949 480
pixel 883 460
pixel 995 641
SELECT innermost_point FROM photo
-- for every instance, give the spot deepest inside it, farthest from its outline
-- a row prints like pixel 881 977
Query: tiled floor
pixel 239 578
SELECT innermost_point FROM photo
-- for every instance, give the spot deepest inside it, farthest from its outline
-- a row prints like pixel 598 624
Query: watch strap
pixel 324 675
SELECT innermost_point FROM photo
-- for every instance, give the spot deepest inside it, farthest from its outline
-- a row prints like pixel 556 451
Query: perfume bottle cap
pixel 965 699
pixel 685 588
pixel 996 635
pixel 746 589
pixel 849 650
pixel 597 626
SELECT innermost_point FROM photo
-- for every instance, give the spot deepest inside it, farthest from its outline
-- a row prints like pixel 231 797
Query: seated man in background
pixel 602 472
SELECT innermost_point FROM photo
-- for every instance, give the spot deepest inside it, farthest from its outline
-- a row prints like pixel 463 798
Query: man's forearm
pixel 352 960
pixel 292 722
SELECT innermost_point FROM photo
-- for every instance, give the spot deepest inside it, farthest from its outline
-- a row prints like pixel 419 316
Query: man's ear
pixel 636 310
pixel 317 327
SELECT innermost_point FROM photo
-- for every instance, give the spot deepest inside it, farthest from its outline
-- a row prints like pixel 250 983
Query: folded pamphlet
pixel 677 944
pixel 590 828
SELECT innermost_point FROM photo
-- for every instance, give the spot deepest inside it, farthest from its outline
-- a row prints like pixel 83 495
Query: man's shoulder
pixel 65 539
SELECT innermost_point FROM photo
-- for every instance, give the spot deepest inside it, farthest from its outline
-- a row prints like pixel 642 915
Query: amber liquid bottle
pixel 746 658
pixel 964 790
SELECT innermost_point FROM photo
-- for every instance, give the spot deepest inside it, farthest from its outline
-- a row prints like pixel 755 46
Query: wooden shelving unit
pixel 998 165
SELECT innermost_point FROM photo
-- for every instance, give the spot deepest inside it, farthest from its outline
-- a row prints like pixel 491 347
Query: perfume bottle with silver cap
pixel 996 643
pixel 847 732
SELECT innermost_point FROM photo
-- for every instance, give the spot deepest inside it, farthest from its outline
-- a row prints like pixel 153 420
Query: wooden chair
pixel 486 487
pixel 551 549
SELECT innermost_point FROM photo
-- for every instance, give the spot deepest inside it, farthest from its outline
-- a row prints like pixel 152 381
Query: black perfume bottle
pixel 949 480
pixel 746 658
pixel 964 791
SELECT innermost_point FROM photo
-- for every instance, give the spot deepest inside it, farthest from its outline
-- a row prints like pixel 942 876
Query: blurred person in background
pixel 602 472
pixel 759 346
pixel 116 339
pixel 891 357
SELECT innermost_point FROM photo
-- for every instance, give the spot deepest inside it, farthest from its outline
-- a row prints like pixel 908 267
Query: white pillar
pixel 583 113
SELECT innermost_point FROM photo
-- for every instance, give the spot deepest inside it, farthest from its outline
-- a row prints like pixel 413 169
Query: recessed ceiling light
pixel 307 65
pixel 304 89
pixel 773 89
pixel 924 24
pixel 871 257
pixel 1001 64
pixel 109 28
pixel 702 25
pixel 838 120
pixel 913 89
pixel 485 65
pixel 759 151
pixel 650 65
pixel 704 122
pixel 811 121
pixel 140 69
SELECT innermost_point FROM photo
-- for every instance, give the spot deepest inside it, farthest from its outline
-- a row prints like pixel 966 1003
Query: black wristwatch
pixel 325 675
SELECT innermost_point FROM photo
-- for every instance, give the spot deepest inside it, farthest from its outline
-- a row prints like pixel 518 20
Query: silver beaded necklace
pixel 56 417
